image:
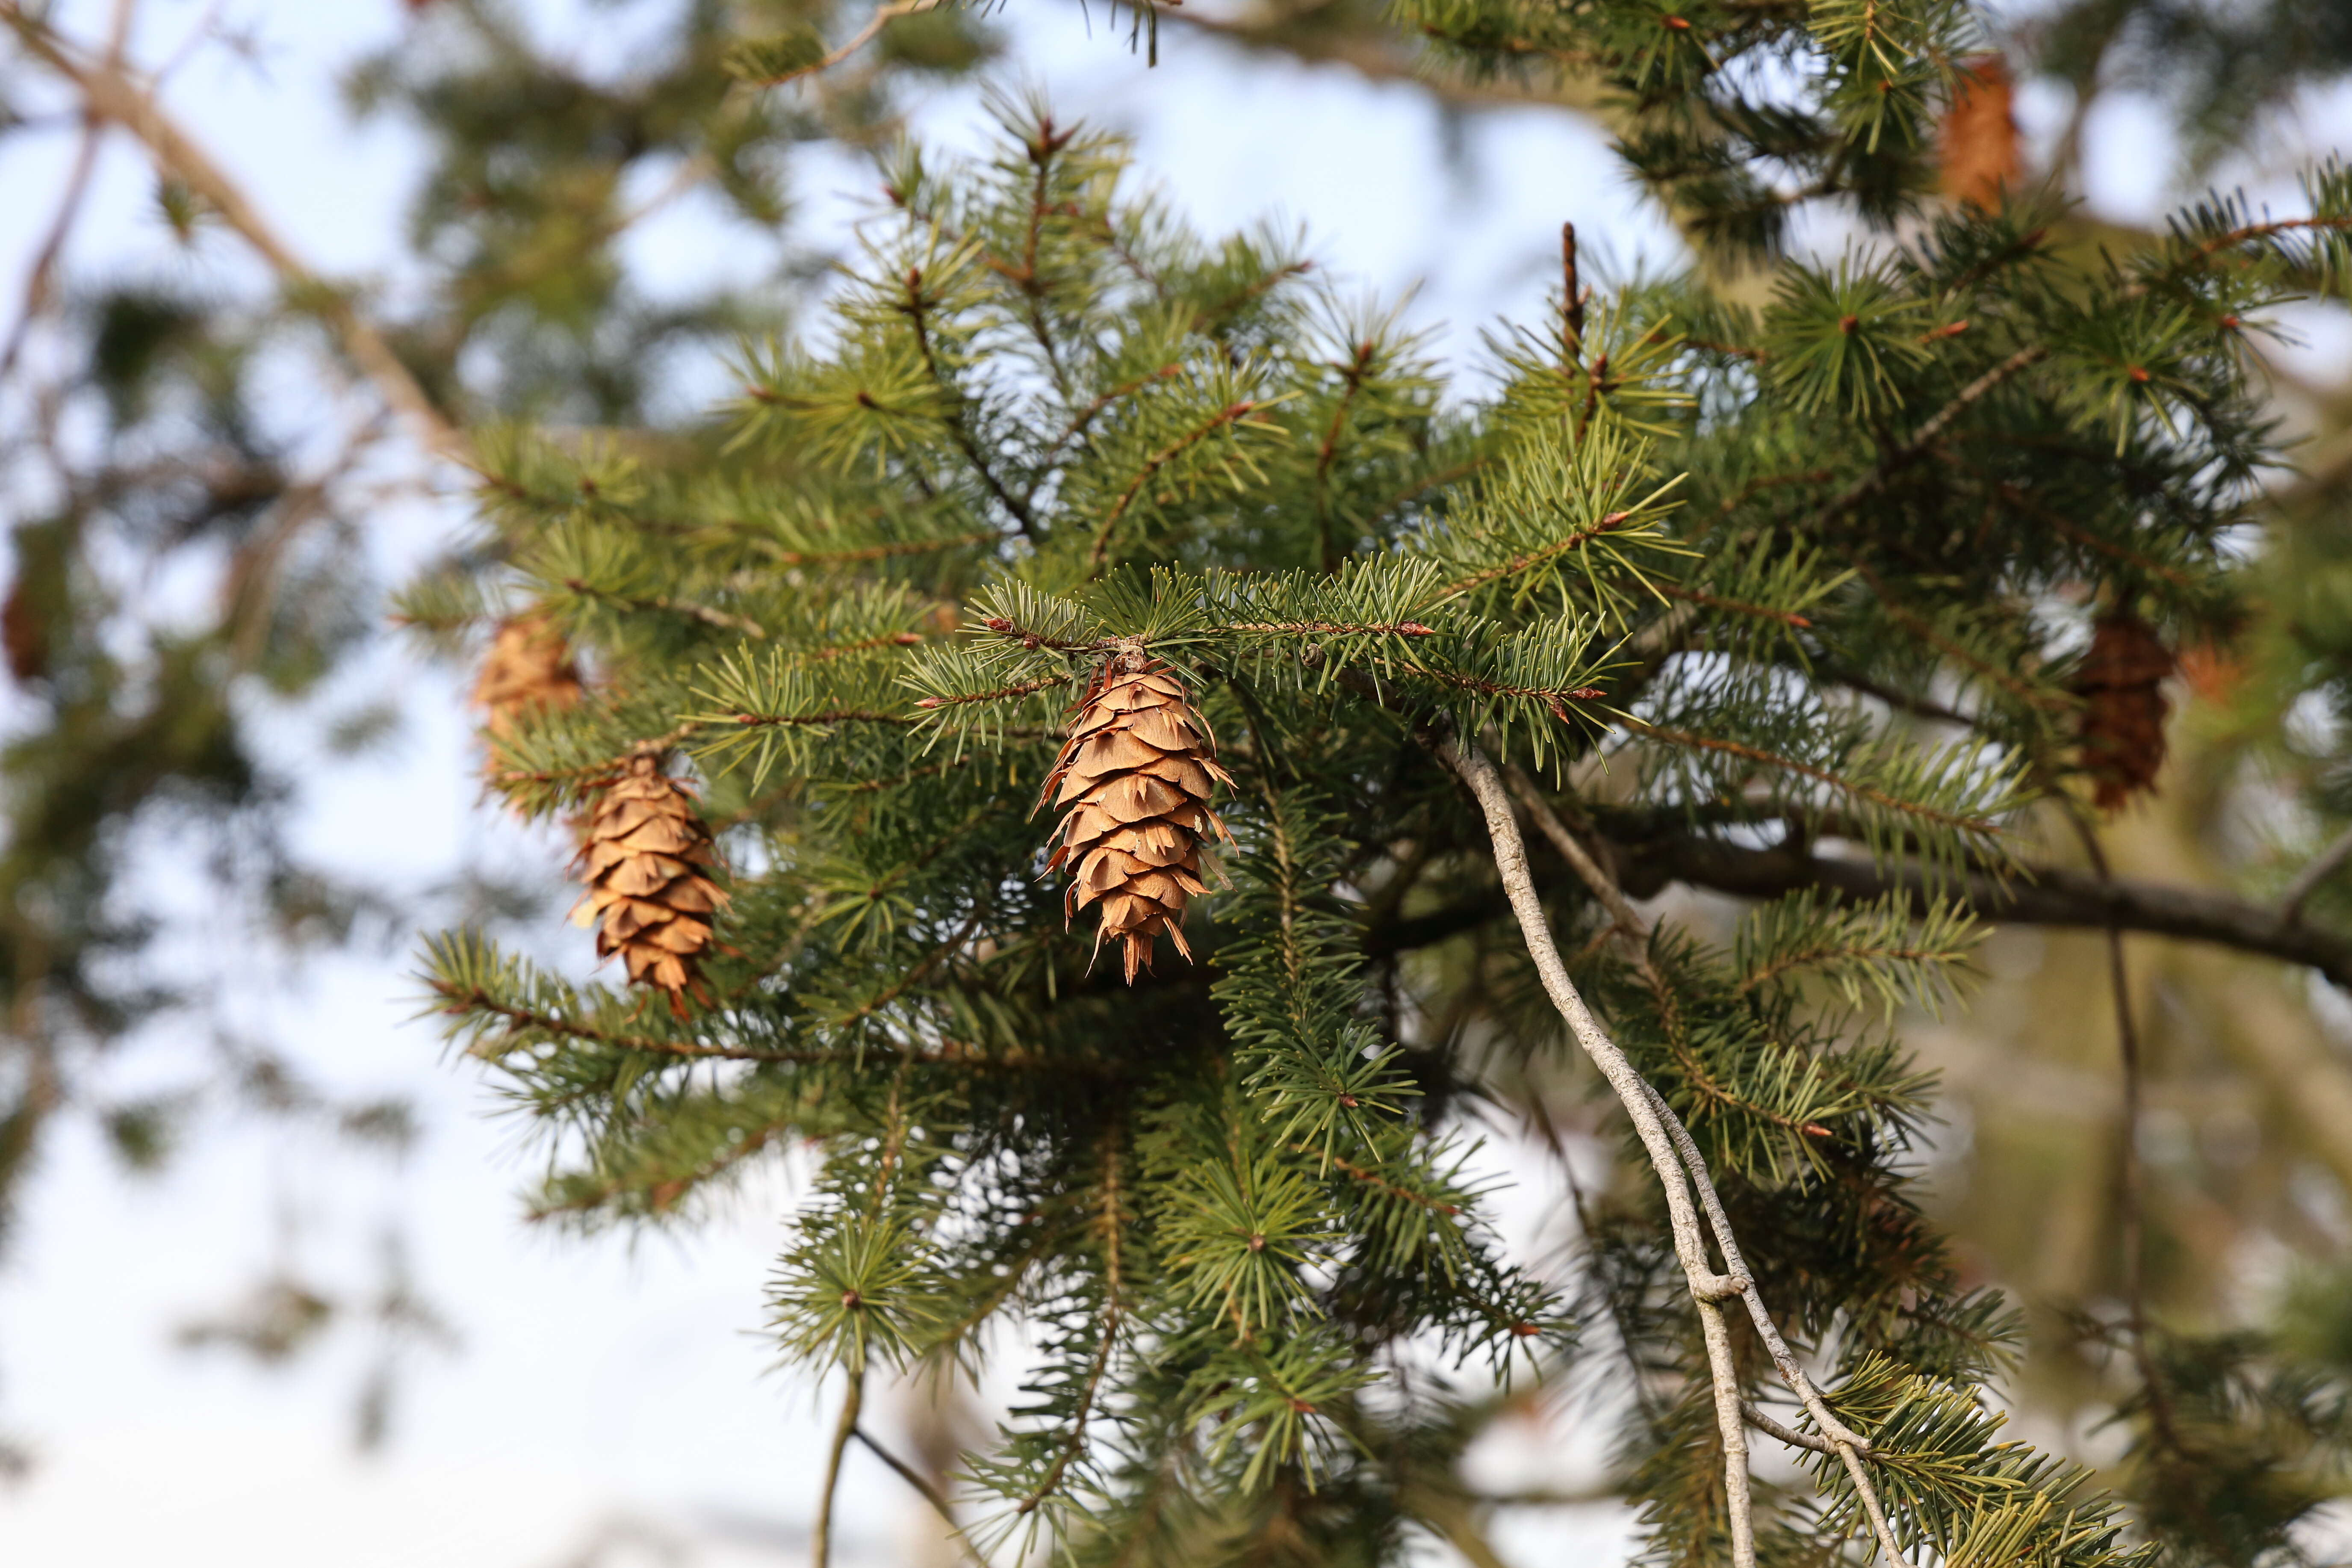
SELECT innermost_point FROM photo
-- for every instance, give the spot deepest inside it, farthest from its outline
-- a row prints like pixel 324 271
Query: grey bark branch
pixel 1708 1288
pixel 1632 932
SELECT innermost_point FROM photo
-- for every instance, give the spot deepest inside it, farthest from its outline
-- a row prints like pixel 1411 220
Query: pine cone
pixel 645 847
pixel 528 667
pixel 1135 773
pixel 2122 684
pixel 1980 136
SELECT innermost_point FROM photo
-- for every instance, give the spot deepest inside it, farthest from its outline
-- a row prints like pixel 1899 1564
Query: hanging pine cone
pixel 645 850
pixel 1135 773
pixel 2122 684
pixel 1980 136
pixel 527 668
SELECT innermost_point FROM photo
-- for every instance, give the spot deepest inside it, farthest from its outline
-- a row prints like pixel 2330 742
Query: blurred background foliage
pixel 191 456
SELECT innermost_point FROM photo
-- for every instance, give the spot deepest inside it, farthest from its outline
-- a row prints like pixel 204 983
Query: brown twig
pixel 883 16
pixel 1098 553
pixel 1912 450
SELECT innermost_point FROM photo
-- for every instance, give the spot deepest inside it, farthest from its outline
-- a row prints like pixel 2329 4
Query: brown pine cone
pixel 645 850
pixel 1135 773
pixel 1981 154
pixel 528 667
pixel 2122 683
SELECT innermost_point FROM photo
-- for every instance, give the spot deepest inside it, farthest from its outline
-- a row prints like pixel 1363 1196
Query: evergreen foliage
pixel 1817 571
pixel 1732 570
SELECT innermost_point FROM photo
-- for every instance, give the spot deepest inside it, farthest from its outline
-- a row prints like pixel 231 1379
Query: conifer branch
pixel 1098 553
pixel 960 428
pixel 1085 417
pixel 1352 378
pixel 1533 557
pixel 1110 1228
pixel 2056 520
pixel 2252 231
pixel 1000 694
pixel 1836 781
pixel 892 551
pixel 823 716
pixel 1926 436
pixel 725 620
pixel 461 999
pixel 1917 627
pixel 1734 606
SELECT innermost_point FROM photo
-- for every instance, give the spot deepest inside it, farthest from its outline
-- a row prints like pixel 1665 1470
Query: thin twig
pixel 1707 1288
pixel 921 1483
pixel 1788 1434
pixel 821 1538
pixel 109 93
pixel 1901 457
pixel 2130 1179
pixel 2323 865
pixel 45 260
pixel 1848 1445
pixel 882 17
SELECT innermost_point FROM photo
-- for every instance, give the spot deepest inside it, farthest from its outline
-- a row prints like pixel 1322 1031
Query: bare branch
pixel 882 17
pixel 2323 865
pixel 1634 932
pixel 1794 1438
pixel 2036 895
pixel 821 1538
pixel 109 92
pixel 1642 1105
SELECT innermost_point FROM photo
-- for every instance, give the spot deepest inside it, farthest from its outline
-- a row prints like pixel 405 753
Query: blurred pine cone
pixel 2121 682
pixel 528 666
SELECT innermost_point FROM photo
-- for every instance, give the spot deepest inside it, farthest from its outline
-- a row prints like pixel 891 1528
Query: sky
pixel 610 1402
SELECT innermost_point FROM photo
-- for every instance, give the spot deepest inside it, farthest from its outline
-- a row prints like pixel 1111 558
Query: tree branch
pixel 1707 1288
pixel 1632 932
pixel 2042 894
pixel 821 1538
pixel 110 93
pixel 1903 457
pixel 2323 865
pixel 883 16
